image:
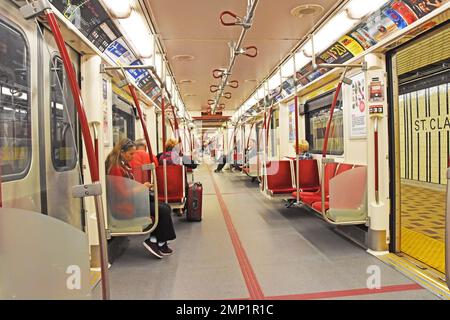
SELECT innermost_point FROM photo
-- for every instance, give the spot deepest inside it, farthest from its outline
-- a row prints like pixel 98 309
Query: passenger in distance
pixel 140 158
pixel 303 148
pixel 118 164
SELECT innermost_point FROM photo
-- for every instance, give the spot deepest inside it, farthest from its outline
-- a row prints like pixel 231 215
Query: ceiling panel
pixel 193 28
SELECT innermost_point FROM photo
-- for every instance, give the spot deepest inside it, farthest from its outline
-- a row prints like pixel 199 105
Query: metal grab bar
pixel 447 230
pixel 152 168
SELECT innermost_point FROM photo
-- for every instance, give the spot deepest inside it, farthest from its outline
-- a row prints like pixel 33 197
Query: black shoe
pixel 165 250
pixel 153 248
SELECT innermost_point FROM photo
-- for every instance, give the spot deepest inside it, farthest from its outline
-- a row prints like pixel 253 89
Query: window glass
pixel 123 121
pixel 15 118
pixel 316 124
pixel 63 119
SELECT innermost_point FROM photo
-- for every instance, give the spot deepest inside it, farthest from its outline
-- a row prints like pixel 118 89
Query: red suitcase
pixel 194 202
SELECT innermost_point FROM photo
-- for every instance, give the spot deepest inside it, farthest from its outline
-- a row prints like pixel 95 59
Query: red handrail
pixel 144 127
pixel 297 151
pixel 163 120
pixel 330 119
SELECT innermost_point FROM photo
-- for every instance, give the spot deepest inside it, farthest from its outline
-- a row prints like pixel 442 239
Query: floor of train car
pixel 251 247
pixel 423 224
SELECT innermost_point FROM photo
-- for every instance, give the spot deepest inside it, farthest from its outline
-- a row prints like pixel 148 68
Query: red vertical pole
pixel 163 120
pixel 144 127
pixel 297 151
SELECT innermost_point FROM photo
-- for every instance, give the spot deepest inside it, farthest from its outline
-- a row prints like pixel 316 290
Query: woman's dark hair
pixel 113 158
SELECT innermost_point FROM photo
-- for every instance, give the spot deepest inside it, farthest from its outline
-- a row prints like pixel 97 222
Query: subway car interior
pixel 224 150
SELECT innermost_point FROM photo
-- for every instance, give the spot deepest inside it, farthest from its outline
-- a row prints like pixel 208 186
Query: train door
pixel 420 93
pixel 58 125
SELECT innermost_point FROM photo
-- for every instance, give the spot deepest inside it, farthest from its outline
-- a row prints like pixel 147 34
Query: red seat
pixel 308 175
pixel 175 183
pixel 279 177
pixel 311 197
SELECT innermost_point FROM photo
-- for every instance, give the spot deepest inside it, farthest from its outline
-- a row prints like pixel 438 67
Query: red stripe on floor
pixel 347 293
pixel 251 282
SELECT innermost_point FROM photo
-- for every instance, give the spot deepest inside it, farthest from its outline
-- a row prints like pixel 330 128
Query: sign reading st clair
pixel 428 124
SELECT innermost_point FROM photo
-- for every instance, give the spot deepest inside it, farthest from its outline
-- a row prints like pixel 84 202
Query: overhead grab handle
pixel 233 84
pixel 227 95
pixel 251 51
pixel 219 73
pixel 211 102
pixel 214 88
pixel 237 21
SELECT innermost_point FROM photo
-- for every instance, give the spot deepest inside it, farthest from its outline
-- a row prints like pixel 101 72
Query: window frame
pixel 22 174
pixel 319 103
pixel 54 58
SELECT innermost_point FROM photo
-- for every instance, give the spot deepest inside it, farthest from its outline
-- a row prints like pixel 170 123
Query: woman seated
pixel 171 153
pixel 118 164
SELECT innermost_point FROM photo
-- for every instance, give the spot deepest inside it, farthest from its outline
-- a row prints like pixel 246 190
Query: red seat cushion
pixel 282 190
pixel 318 206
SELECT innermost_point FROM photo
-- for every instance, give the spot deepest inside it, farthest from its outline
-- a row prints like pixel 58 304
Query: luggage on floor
pixel 194 202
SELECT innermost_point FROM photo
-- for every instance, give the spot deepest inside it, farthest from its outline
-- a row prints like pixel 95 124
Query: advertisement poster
pixel 119 52
pixel 337 53
pixel 423 7
pixel 378 26
pixel 353 46
pixel 358 124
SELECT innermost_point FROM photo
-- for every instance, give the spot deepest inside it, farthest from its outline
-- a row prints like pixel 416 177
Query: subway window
pixel 123 120
pixel 15 117
pixel 317 115
pixel 63 119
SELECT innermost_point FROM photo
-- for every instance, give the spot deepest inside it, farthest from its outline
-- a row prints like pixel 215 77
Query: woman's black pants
pixel 164 231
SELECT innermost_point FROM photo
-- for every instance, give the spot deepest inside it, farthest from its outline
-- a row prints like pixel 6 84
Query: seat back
pixel 348 195
pixel 279 175
pixel 329 173
pixel 308 174
pixel 175 182
pixel 343 167
pixel 128 205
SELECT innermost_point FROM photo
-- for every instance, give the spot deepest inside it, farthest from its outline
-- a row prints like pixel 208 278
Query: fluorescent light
pixel 287 69
pixel 158 64
pixel 301 60
pixel 275 81
pixel 138 33
pixel 120 9
pixel 335 28
pixel 358 9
